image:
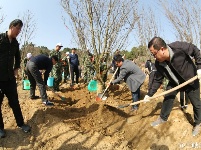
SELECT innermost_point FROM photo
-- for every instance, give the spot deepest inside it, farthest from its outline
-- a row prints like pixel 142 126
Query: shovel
pixel 62 98
pixel 161 94
pixel 101 95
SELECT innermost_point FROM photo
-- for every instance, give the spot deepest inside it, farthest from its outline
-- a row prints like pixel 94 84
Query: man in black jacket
pixel 174 62
pixel 10 63
pixel 40 62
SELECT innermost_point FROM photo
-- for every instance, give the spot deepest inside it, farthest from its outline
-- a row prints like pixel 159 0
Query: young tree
pixel 101 25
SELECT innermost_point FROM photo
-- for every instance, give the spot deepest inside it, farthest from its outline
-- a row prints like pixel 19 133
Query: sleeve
pixel 17 58
pixel 123 73
pixel 46 74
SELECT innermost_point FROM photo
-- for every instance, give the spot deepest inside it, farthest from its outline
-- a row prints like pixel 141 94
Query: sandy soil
pixel 82 123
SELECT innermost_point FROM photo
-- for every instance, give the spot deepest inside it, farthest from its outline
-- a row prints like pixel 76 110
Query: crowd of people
pixel 172 62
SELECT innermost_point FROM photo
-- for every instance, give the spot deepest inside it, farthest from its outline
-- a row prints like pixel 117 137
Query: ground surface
pixel 82 123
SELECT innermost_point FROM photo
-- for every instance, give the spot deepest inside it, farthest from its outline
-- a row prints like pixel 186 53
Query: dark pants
pixel 9 89
pixel 183 99
pixel 136 97
pixel 74 69
pixel 193 95
pixel 151 78
pixel 35 77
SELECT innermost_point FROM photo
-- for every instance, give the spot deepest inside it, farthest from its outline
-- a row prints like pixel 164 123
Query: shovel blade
pixel 101 97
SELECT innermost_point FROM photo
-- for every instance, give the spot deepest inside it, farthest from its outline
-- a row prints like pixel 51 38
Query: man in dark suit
pixel 173 61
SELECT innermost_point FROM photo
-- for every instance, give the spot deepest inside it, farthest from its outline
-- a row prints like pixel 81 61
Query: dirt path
pixel 81 123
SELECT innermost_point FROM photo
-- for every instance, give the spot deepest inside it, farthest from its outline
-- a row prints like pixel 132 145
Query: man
pixel 89 69
pixel 151 70
pixel 26 59
pixel 58 67
pixel 117 52
pixel 66 67
pixel 132 75
pixel 174 62
pixel 34 65
pixel 10 63
pixel 74 63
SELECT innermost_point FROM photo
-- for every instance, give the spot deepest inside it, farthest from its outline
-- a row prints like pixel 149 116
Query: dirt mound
pixel 80 122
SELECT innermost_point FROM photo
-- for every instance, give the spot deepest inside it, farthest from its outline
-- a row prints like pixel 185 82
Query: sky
pixel 48 18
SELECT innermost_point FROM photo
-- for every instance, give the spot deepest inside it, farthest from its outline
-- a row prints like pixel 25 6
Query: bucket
pixel 26 84
pixel 50 81
pixel 92 86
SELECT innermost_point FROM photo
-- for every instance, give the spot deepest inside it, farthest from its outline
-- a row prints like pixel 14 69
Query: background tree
pixel 27 32
pixel 185 17
pixel 101 25
pixel 2 17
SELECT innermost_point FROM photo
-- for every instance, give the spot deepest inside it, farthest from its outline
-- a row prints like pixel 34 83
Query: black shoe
pixel 25 128
pixel 48 103
pixel 34 97
pixel 2 133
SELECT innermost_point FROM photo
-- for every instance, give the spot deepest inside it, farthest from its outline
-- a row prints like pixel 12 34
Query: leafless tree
pixel 2 16
pixel 27 32
pixel 185 16
pixel 101 25
pixel 26 35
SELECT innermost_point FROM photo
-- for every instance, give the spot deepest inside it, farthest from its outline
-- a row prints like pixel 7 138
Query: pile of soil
pixel 82 123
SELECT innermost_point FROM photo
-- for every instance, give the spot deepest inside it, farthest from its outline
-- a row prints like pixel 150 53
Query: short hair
pixel 55 58
pixel 15 23
pixel 74 49
pixel 157 43
pixel 118 58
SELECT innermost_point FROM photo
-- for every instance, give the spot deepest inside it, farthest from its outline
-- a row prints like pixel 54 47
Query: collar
pixel 171 53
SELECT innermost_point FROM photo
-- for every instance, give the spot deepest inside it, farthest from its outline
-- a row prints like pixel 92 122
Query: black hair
pixel 157 43
pixel 118 58
pixel 54 57
pixel 15 23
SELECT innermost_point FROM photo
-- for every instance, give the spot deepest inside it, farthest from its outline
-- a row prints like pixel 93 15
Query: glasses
pixel 154 55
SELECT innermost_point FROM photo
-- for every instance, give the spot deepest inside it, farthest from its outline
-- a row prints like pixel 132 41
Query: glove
pixel 199 74
pixel 146 98
pixel 68 57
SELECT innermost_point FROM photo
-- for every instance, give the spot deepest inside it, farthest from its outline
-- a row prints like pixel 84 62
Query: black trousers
pixel 9 89
pixel 193 95
pixel 35 77
pixel 151 78
pixel 74 69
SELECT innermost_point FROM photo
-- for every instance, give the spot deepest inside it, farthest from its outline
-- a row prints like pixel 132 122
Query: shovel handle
pixel 169 91
pixel 109 82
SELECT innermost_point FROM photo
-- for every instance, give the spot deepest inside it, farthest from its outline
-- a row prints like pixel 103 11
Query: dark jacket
pixel 74 61
pixel 43 62
pixel 9 57
pixel 181 64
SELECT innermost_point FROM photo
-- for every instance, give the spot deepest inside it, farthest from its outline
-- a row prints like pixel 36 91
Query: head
pixel 54 59
pixel 73 50
pixel 117 52
pixel 67 53
pixel 119 60
pixel 29 55
pixel 15 28
pixel 58 46
pixel 158 49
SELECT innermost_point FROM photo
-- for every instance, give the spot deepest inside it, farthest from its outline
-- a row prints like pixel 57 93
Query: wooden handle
pixel 169 91
pixel 109 82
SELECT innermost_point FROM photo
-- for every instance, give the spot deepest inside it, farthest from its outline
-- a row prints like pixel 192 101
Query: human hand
pixel 146 98
pixel 199 74
pixel 16 73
